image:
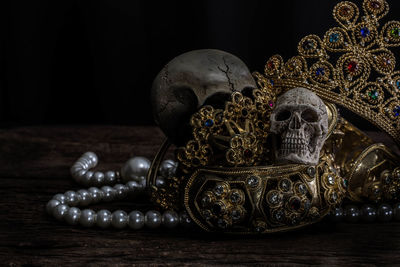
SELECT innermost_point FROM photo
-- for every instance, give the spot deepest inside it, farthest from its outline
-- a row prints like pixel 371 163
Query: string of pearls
pixel 64 206
pixel 366 213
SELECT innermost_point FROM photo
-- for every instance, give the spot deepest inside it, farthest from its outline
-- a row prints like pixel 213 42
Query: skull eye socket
pixel 309 115
pixel 283 115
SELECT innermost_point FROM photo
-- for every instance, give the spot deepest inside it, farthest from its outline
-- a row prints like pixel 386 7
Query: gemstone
pixel 247 153
pixel 331 180
pixel 219 190
pixel 218 208
pixel 374 5
pixel 365 32
pixel 271 103
pixel 398 84
pixel 311 171
pixel 386 62
pixel 308 45
pixel 373 94
pixel 344 11
pixel 334 37
pixel 285 185
pixel 236 215
pixel 388 179
pixel 396 111
pixel 253 181
pixel 270 65
pixel 295 204
pixel 352 66
pixel 272 82
pixel 320 71
pixel 302 188
pixel 235 197
pixel 209 123
pixel 274 198
pixel 244 112
pixel 279 215
pixel 345 182
pixel 395 32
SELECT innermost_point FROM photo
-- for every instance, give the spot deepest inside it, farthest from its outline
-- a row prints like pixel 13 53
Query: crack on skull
pixel 226 71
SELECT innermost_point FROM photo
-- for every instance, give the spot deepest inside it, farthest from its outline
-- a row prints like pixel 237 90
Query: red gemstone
pixel 344 11
pixel 247 153
pixel 271 65
pixel 295 204
pixel 352 66
pixel 271 103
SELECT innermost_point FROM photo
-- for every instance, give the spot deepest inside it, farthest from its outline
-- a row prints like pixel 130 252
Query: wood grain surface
pixel 34 165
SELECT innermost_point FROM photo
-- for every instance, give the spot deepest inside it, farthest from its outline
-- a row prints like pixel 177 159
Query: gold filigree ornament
pixel 227 179
pixel 351 65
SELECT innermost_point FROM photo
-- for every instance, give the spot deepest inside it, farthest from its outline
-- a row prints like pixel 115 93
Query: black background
pixel 93 62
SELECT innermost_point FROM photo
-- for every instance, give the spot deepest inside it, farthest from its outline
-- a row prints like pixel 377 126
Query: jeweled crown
pixel 351 65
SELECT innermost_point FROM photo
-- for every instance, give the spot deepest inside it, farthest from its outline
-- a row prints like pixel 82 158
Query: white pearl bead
pixel 103 218
pixel 51 205
pixel 92 157
pixel 60 211
pixel 88 218
pixel 73 215
pixel 72 198
pixel 170 219
pixel 109 193
pixel 119 219
pixel 136 220
pixel 96 194
pixel 134 168
pixel 110 177
pixel 61 198
pixel 87 178
pixel 98 178
pixel 85 197
pixel 152 219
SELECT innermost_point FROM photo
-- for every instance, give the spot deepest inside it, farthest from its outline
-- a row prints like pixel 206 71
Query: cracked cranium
pixel 191 80
pixel 300 120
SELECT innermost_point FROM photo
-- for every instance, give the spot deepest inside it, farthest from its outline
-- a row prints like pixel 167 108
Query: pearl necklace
pixel 64 206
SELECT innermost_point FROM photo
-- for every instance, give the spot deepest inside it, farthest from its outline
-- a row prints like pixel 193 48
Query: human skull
pixel 191 80
pixel 300 119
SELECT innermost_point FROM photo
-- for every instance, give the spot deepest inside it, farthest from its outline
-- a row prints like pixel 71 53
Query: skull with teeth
pixel 300 121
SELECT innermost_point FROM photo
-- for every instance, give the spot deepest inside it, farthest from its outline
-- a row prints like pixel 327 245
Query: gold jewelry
pixel 342 66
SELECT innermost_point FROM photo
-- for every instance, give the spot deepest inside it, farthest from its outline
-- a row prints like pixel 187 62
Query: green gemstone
pixel 395 32
pixel 373 94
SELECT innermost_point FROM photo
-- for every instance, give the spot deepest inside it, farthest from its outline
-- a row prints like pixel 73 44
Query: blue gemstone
pixel 320 72
pixel 398 84
pixel 334 37
pixel 272 82
pixel 396 111
pixel 209 123
pixel 365 32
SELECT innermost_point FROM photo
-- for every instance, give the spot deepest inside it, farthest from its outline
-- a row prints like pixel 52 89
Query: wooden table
pixel 34 165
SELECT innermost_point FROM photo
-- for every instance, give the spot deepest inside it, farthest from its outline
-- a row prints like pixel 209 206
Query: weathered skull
pixel 192 80
pixel 300 119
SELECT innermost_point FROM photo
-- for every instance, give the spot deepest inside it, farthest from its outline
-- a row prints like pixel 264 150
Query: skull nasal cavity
pixel 295 122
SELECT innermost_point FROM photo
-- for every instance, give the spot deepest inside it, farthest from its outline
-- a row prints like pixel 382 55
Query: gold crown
pixel 351 65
